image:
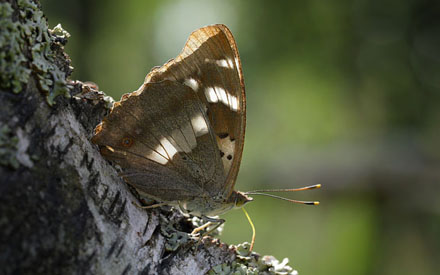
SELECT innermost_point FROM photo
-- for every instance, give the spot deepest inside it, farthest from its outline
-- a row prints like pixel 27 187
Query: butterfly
pixel 179 138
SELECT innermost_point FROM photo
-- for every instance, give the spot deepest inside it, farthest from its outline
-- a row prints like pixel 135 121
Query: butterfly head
pixel 240 199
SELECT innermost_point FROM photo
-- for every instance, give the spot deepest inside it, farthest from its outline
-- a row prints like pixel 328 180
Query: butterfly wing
pixel 162 138
pixel 210 65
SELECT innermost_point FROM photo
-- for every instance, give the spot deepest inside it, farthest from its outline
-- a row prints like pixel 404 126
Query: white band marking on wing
pixel 210 94
pixel 199 125
pixel 192 83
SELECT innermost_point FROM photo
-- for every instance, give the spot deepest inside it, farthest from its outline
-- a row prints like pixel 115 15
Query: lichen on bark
pixel 27 47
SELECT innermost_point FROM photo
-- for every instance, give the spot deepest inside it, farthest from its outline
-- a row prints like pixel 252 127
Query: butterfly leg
pixel 200 228
pixel 150 206
pixel 209 223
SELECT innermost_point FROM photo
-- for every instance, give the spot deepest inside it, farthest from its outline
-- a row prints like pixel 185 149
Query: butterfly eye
pixel 127 142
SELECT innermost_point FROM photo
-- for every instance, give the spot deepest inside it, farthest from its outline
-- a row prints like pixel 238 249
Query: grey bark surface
pixel 64 210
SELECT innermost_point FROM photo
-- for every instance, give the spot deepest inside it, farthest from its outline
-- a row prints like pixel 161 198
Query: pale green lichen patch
pixel 251 263
pixel 8 147
pixel 60 32
pixel 25 50
pixel 243 251
pixel 174 237
pixel 13 68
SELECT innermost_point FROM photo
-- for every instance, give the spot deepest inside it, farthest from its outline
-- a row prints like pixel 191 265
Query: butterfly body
pixel 212 205
pixel 179 138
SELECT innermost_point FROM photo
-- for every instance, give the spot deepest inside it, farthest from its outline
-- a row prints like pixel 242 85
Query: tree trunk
pixel 64 210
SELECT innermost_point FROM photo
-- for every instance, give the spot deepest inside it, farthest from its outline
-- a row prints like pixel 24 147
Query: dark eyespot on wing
pixel 127 142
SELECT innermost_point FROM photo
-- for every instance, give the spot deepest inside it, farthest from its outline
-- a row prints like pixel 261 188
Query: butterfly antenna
pixel 316 186
pixel 253 229
pixel 284 199
pixel 260 193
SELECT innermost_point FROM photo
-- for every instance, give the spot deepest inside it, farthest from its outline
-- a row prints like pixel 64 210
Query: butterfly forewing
pixel 210 65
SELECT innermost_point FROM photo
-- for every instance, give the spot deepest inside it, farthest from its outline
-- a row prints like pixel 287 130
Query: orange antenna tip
pixel 308 202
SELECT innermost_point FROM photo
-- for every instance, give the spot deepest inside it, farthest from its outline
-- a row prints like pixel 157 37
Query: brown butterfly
pixel 179 138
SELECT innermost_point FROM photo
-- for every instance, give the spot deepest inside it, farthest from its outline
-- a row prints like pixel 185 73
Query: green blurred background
pixel 342 93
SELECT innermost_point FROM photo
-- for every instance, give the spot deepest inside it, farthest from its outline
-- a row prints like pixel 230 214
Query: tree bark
pixel 64 210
